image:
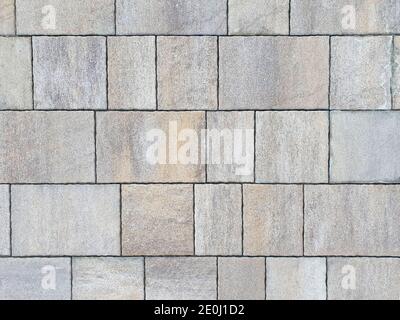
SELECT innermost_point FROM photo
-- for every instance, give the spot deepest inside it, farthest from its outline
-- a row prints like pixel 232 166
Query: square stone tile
pixel 46 147
pixel 241 278
pixel 256 17
pixel 62 220
pixel 365 146
pixel 292 147
pixel 157 220
pixel 273 220
pixel 132 73
pixel 274 72
pixel 173 278
pixel 16 73
pixel 361 72
pixel 4 220
pixel 35 279
pixel 7 18
pixel 296 279
pixel 70 72
pixel 108 278
pixel 352 220
pixel 218 219
pixel 187 73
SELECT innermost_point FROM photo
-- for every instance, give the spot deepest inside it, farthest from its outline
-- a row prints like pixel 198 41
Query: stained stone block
pixel 4 221
pixel 7 18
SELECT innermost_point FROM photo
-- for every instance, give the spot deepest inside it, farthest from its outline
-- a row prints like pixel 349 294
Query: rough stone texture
pixel 274 72
pixel 70 17
pixel 35 279
pixel 70 72
pixel 16 73
pixel 241 278
pixel 131 72
pixel 7 19
pixel 171 17
pixel 65 220
pixel 273 220
pixel 4 221
pixel 292 147
pixel 332 16
pixel 396 73
pixel 218 220
pixel 296 279
pixel 352 220
pixel 375 279
pixel 365 147
pixel 187 73
pixel 361 72
pixel 127 161
pixel 46 147
pixel 231 135
pixel 181 278
pixel 108 279
pixel 257 17
pixel 157 220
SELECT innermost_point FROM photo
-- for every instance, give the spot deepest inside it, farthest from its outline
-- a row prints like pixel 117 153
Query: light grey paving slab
pixel 83 17
pixel 292 147
pixel 363 278
pixel 241 278
pixel 7 18
pixel 273 220
pixel 365 146
pixel 230 145
pixel 64 220
pixel 186 278
pixel 396 74
pixel 143 152
pixel 108 278
pixel 16 73
pixel 35 278
pixel 131 73
pixel 258 72
pixel 352 220
pixel 173 17
pixel 157 220
pixel 361 72
pixel 256 17
pixel 187 73
pixel 345 16
pixel 4 220
pixel 218 219
pixel 296 278
pixel 46 147
pixel 70 72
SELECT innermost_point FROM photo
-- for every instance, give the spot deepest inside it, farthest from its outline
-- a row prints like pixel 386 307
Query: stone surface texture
pixel 4 221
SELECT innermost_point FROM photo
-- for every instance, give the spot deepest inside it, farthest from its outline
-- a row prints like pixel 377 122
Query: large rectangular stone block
pixel 7 18
pixel 4 220
pixel 396 74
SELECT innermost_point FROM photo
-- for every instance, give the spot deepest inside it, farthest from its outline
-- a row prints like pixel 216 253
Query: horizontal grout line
pixel 198 110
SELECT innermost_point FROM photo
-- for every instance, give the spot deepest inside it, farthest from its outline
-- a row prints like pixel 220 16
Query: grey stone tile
pixel 345 16
pixel 4 221
pixel 230 144
pixel 296 279
pixel 188 278
pixel 16 73
pixel 363 278
pixel 361 72
pixel 187 73
pixel 108 278
pixel 7 18
pixel 46 147
pixel 292 147
pixel 65 220
pixel 396 74
pixel 65 17
pixel 241 278
pixel 218 219
pixel 157 220
pixel 258 72
pixel 131 159
pixel 70 72
pixel 132 73
pixel 352 220
pixel 171 17
pixel 273 220
pixel 258 17
pixel 35 279
pixel 365 146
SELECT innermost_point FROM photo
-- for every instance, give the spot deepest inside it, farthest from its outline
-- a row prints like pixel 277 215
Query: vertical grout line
pixel 227 17
pixel 265 278
pixel 303 215
pixel 329 109
pixel 115 17
pixel 241 187
pixel 218 79
pixel 255 144
pixel 217 280
pixel 107 86
pixel 156 67
pixel 95 147
pixel 10 217
pixel 144 278
pixel 290 16
pixel 32 76
pixel 206 147
pixel 194 220
pixel 392 70
pixel 326 278
pixel 71 278
pixel 120 219
pixel 15 17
